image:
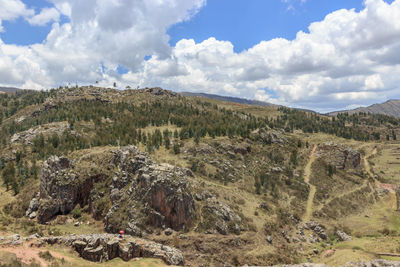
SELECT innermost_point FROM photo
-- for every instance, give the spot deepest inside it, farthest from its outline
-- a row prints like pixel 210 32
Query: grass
pixel 374 230
pixel 313 189
pixel 387 163
pixel 65 258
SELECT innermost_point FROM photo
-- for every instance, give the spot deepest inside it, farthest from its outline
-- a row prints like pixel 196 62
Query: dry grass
pixel 386 164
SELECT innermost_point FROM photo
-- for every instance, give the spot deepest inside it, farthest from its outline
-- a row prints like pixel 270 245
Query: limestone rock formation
pixel 142 193
pixel 339 156
pixel 343 236
pixel 27 137
pixel 269 136
pixel 104 247
pixel 61 188
pixel 33 207
pixel 221 217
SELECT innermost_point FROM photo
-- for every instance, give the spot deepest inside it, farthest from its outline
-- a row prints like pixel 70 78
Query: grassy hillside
pixel 272 169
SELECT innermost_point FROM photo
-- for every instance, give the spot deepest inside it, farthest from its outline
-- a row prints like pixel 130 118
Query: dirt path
pixel 313 189
pixel 28 254
pixel 366 162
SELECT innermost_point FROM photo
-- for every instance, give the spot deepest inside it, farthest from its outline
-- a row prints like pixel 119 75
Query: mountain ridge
pixel 391 108
pixel 7 89
pixel 230 99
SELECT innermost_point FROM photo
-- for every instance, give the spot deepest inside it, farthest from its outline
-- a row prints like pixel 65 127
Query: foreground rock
pixel 61 188
pixel 104 247
pixel 123 186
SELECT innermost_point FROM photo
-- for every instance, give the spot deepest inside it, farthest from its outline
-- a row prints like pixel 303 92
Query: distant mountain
pixel 9 89
pixel 390 108
pixel 229 99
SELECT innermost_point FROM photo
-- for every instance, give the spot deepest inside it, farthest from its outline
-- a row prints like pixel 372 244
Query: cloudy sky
pixel 319 54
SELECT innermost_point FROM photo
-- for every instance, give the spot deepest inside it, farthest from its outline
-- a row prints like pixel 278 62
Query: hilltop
pixel 195 180
pixel 9 89
pixel 228 99
pixel 389 108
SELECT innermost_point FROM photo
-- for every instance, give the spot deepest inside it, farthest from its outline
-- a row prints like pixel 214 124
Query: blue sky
pixel 244 23
pixel 247 22
pixel 329 55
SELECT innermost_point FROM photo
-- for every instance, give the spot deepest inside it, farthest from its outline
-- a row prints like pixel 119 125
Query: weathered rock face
pixel 160 192
pixel 33 207
pixel 343 236
pixel 340 156
pixel 165 188
pixel 27 137
pixel 142 193
pixel 269 136
pixel 104 247
pixel 61 188
pixel 220 217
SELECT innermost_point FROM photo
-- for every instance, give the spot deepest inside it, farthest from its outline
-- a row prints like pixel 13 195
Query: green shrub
pixel 46 255
pixel 76 213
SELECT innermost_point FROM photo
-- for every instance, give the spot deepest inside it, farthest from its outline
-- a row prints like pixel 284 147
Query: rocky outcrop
pixel 159 194
pixel 33 207
pixel 27 137
pixel 104 247
pixel 142 193
pixel 338 155
pixel 343 236
pixel 317 228
pixel 157 91
pixel 61 188
pixel 269 136
pixel 220 217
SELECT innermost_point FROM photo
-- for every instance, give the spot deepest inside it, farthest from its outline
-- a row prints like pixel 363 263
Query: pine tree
pixel 177 149
pixel 9 175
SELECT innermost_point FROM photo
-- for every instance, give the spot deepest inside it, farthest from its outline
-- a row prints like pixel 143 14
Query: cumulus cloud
pixel 101 35
pixel 45 16
pixel 12 9
pixel 348 58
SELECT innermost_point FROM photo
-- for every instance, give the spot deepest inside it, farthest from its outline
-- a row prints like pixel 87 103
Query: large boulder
pixel 343 236
pixel 33 207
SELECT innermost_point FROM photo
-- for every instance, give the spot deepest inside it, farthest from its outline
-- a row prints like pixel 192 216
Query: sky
pixel 317 54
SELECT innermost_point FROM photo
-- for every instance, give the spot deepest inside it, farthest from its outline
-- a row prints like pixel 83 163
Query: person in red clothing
pixel 121 234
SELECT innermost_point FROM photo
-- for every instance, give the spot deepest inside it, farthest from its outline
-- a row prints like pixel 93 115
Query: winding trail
pixel 313 189
pixel 390 187
pixel 366 163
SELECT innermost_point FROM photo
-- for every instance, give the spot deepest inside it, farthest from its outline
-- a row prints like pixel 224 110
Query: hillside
pixel 228 99
pixel 8 89
pixel 194 181
pixel 389 108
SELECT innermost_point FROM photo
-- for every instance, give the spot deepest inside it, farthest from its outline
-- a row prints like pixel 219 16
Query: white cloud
pixel 100 33
pixel 12 9
pixel 45 16
pixel 348 58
